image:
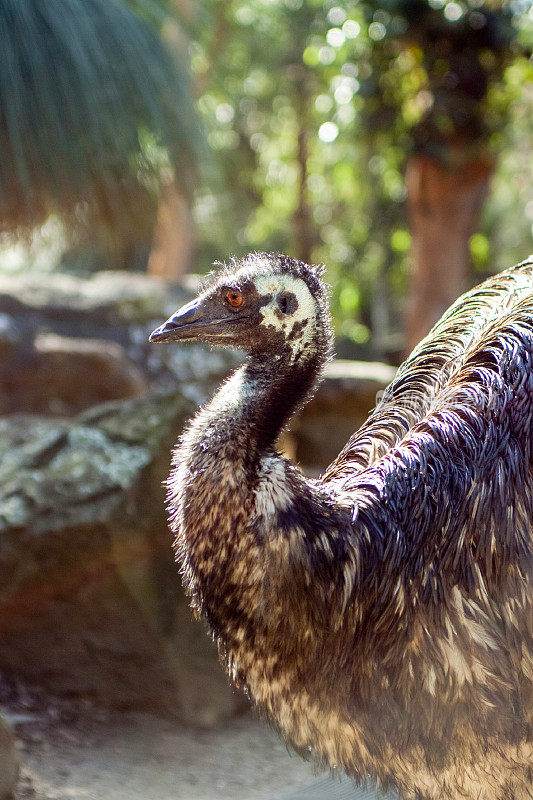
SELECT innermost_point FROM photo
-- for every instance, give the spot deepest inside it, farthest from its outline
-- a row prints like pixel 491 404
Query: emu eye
pixel 234 298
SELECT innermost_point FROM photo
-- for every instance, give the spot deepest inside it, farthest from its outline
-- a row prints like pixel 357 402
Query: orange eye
pixel 234 299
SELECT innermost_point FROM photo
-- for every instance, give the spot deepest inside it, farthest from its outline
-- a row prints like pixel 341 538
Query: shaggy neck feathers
pixel 250 410
pixel 271 393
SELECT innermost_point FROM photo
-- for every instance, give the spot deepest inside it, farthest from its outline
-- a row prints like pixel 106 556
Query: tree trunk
pixel 444 208
pixel 174 237
pixel 304 234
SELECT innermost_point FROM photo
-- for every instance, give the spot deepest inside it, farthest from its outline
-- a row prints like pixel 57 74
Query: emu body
pixel 381 616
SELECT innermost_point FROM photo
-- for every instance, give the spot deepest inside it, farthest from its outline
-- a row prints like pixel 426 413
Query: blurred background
pixel 142 140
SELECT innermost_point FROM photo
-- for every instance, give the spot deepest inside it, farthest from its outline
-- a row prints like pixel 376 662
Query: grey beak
pixel 178 325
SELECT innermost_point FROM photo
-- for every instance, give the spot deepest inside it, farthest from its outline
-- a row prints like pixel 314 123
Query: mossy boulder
pixel 90 599
pixel 67 343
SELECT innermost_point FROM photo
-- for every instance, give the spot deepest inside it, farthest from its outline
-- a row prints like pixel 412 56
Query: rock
pixel 90 599
pixel 64 375
pixel 11 336
pixel 105 298
pixel 9 763
pixel 67 343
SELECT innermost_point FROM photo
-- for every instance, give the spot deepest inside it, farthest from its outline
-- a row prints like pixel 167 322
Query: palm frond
pixel 91 105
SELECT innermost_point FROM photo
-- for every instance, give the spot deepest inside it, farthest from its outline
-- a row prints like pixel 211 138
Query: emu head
pixel 265 304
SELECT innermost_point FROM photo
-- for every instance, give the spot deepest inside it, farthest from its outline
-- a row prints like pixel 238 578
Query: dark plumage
pixel 382 615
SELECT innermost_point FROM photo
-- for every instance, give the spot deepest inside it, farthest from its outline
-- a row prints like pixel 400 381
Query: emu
pixel 382 615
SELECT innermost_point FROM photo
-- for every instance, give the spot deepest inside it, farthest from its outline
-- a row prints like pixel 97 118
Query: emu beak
pixel 179 325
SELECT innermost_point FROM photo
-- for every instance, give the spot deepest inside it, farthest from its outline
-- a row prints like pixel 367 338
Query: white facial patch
pixel 298 325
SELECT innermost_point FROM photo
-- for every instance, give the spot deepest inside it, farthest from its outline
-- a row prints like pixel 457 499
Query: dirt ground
pixel 71 751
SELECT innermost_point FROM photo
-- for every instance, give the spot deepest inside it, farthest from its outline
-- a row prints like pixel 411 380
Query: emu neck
pixel 211 488
pixel 260 397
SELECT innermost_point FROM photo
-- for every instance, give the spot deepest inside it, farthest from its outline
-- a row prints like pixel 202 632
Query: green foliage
pixel 442 67
pixel 508 218
pixel 479 250
pixel 311 110
pixel 93 112
pixel 284 117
